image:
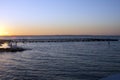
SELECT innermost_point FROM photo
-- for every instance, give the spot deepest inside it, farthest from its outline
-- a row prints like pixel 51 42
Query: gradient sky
pixel 59 17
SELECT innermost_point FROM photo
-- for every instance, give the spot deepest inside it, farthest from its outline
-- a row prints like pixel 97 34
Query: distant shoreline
pixel 55 35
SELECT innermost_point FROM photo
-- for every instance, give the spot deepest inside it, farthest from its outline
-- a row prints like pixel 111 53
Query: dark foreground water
pixel 61 61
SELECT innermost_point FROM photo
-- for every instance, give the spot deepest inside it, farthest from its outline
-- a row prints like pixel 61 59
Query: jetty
pixel 55 40
pixel 15 48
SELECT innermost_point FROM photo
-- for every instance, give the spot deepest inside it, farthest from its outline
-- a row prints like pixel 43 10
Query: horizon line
pixel 55 35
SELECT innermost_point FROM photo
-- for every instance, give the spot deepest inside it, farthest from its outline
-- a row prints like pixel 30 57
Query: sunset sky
pixel 59 17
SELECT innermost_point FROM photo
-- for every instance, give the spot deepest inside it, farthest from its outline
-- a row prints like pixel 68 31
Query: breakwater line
pixel 56 40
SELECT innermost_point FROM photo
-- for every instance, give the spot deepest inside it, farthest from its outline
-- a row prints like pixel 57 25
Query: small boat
pixel 9 47
pixel 18 49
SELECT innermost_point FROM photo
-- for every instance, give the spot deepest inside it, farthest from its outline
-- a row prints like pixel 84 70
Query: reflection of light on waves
pixel 5 45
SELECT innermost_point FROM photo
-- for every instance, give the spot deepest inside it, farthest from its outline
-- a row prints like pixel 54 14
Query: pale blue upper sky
pixel 97 13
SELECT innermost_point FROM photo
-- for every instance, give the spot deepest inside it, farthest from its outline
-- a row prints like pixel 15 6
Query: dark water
pixel 61 61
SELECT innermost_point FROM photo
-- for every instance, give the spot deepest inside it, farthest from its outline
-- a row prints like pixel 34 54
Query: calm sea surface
pixel 61 60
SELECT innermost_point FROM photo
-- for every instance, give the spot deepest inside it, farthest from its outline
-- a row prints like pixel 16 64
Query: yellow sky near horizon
pixel 59 17
pixel 56 30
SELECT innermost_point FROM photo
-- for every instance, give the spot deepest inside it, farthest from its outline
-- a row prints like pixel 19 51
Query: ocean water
pixel 61 60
